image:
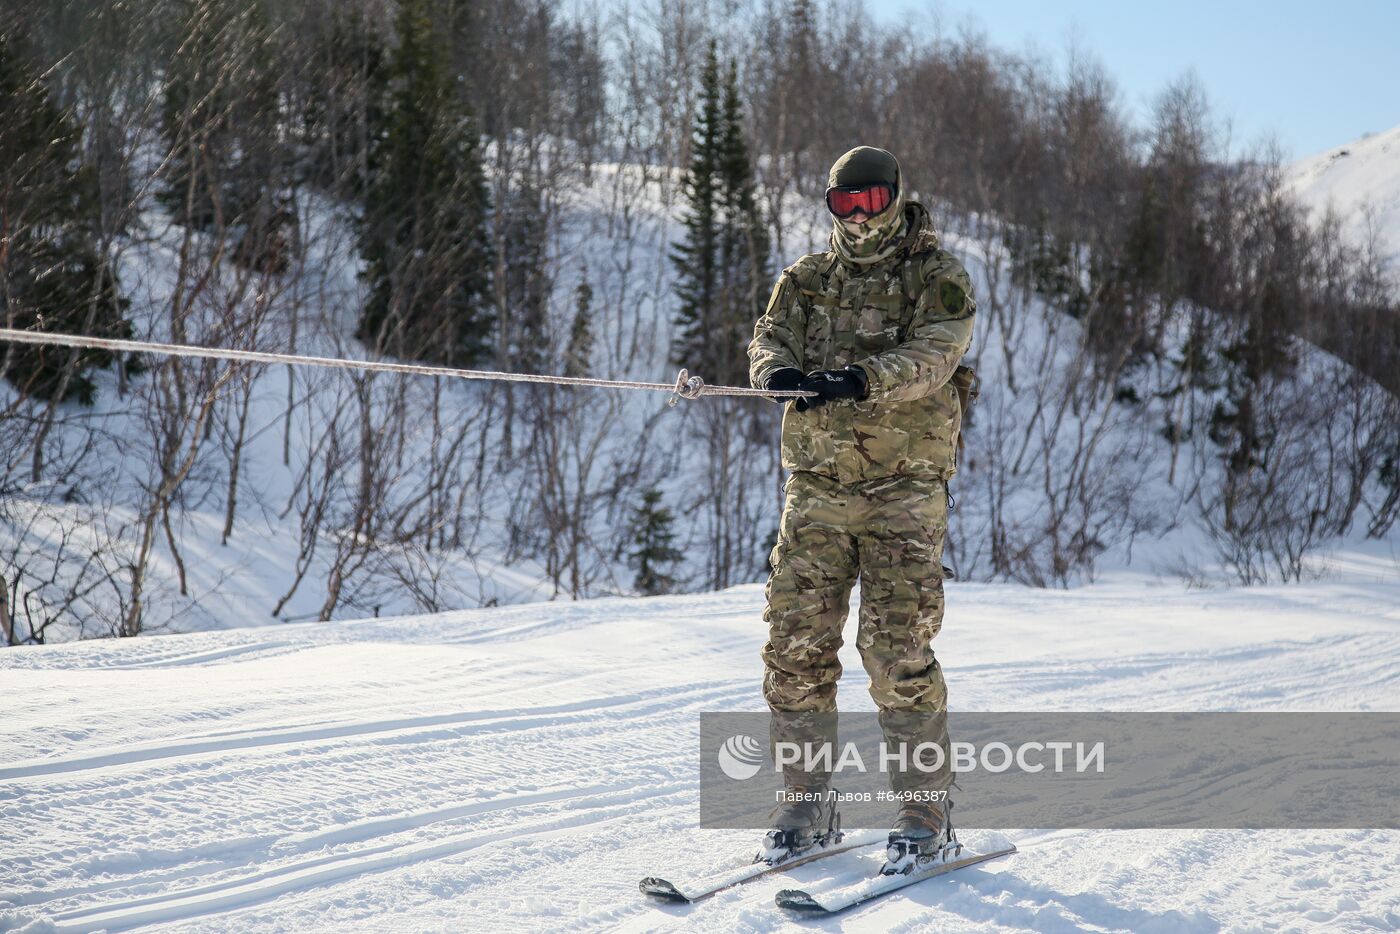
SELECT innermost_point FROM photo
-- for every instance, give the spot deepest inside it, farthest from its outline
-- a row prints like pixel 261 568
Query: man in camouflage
pixel 876 327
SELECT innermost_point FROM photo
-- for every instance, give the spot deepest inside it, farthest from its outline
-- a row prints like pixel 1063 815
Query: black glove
pixel 850 383
pixel 784 380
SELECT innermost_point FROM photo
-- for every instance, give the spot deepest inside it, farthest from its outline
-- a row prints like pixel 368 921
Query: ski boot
pixel 923 833
pixel 806 818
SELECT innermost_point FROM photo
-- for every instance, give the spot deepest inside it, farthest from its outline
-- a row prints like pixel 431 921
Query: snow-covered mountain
pixel 1360 180
pixel 520 768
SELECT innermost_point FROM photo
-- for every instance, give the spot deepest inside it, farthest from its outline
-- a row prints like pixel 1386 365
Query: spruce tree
pixel 722 261
pixel 579 354
pixel 1263 351
pixel 527 284
pixel 51 271
pixel 423 236
pixel 746 245
pixel 696 256
pixel 655 552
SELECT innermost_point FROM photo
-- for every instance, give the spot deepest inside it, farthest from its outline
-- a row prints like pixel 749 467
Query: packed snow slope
pixel 1360 180
pixel 520 768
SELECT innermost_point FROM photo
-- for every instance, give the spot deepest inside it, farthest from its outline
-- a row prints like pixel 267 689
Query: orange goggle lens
pixel 872 199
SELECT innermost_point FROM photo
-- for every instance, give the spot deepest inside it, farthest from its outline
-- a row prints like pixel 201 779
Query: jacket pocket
pixel 820 334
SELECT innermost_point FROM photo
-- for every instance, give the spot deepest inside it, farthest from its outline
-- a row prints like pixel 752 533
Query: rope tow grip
pixel 687 387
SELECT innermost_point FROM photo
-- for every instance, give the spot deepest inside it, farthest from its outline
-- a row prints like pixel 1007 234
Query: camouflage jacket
pixel 906 321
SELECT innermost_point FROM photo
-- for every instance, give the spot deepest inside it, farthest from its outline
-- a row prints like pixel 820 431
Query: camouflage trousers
pixel 888 533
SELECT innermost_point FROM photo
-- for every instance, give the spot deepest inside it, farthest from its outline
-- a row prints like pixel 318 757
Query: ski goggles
pixel 848 199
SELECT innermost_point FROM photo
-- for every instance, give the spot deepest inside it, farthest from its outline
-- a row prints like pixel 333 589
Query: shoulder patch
pixel 952 297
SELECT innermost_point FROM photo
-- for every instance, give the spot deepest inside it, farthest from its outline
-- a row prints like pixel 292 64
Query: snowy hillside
pixel 404 774
pixel 1058 483
pixel 1360 181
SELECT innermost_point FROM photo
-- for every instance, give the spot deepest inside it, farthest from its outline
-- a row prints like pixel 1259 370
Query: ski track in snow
pixel 401 774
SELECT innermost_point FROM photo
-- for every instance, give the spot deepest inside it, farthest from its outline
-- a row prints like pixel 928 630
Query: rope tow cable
pixel 686 386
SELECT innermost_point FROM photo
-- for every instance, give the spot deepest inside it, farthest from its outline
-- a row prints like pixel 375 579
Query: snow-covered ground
pixel 520 768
